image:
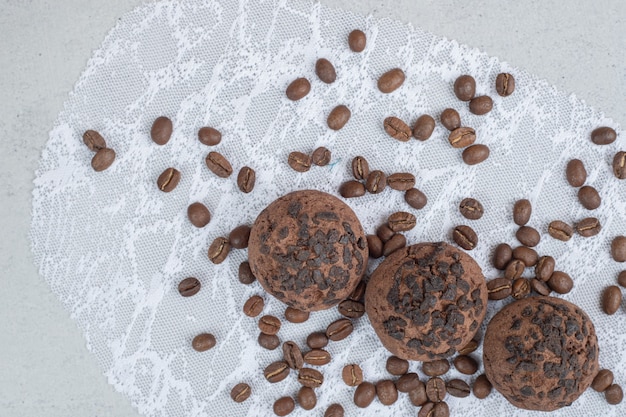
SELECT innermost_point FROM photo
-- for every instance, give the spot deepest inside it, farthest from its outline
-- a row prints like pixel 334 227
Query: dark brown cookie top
pixel 541 353
pixel 426 301
pixel 308 249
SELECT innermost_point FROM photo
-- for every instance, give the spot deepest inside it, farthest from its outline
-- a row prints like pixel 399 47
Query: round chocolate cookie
pixel 308 249
pixel 426 301
pixel 541 353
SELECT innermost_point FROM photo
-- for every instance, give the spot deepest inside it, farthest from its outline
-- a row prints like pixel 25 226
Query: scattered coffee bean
pixel 385 233
pixel 269 324
pixel 539 287
pixel 375 246
pixel 376 182
pixel 292 355
pixel 94 140
pixel 450 119
pixel 325 71
pixel 471 346
pixel 603 135
pixel 619 165
pixel 397 366
pixel 198 214
pixel 401 181
pixel 465 237
pixel 545 268
pixel 168 180
pixel 589 197
pixel 103 159
pixel 436 368
pixel 398 241
pixel 246 179
pixel 505 84
pixel 614 394
pixel 528 236
pixel 357 40
pixel 465 87
pixel 621 279
pixel 358 294
pixel 560 230
pixel 351 309
pixel 441 409
pixel 602 380
pixel 161 131
pixel 189 286
pixel 238 237
pixel 481 105
pixel 387 392
pixel 424 127
pixel 254 306
pixel 338 117
pixel 458 388
pixel 618 249
pixel 514 269
pixel 307 398
pixel 397 129
pixel 502 256
pixel 298 89
pixel 589 226
pixel 522 209
pixel 462 137
pixel 499 288
pixel 408 382
pixel 427 410
pixel 611 299
pixel 482 387
pixel 209 136
pixel 352 375
pixel 317 340
pixel 317 357
pixel 575 173
pixel 475 154
pixel 339 329
pixel 418 395
pixel 240 392
pixel 527 255
pixel 360 168
pixel 364 394
pixel 284 406
pixel 268 341
pixel 245 274
pixel 471 209
pixel 560 282
pixel 203 342
pixel 334 410
pixel 310 377
pixel 321 156
pixel 415 198
pixel 520 288
pixel 435 389
pixel 219 249
pixel 391 80
pixel 352 189
pixel 293 315
pixel 276 371
pixel 299 161
pixel 218 165
pixel 401 221
pixel 466 364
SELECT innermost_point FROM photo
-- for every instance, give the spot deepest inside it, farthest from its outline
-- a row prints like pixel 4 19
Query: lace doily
pixel 113 247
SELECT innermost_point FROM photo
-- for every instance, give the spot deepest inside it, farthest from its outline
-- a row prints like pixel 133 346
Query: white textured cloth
pixel 113 247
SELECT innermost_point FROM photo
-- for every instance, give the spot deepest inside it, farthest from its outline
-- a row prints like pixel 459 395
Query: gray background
pixel 45 369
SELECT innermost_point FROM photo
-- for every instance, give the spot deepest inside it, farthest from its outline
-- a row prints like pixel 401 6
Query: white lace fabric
pixel 113 247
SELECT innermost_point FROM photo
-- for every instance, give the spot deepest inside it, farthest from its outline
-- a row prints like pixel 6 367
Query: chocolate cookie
pixel 541 353
pixel 308 249
pixel 426 301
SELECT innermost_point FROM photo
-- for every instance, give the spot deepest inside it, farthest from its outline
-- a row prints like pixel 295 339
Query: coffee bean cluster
pixel 104 156
pixel 301 162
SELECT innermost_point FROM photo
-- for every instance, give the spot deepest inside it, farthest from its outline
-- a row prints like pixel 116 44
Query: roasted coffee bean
pixel 398 241
pixel 189 286
pixel 310 377
pixel 522 209
pixel 269 324
pixel 514 269
pixel 352 375
pixel 360 168
pixel 351 309
pixel 339 329
pixel 397 366
pixel 415 198
pixel 618 249
pixel 357 40
pixel 240 392
pixel 254 306
pixel 465 237
pixel 198 214
pixel 103 159
pixel 209 136
pixel 436 368
pixel 576 173
pixel 307 398
pixel 435 389
pixel 385 233
pixel 499 288
pixel 359 292
pixel 298 89
pixel 603 135
pixel 268 341
pixel 520 288
pixel 450 119
pixel 545 268
pixel 203 342
pixel 614 394
pixel 352 189
pixel 458 388
pixel 481 105
pixel 391 80
pixel 466 364
pixel 284 406
pixel 589 197
pixel 482 387
pixel 375 246
pixel 376 182
pixel 218 165
pixel 334 410
pixel 505 84
pixel 539 287
pixel 161 131
pixel 621 279
pixel 401 221
pixel 245 274
pixel 589 226
pixel 619 165
pixel 560 282
pixel 276 371
pixel 293 355
pixel 527 255
pixel 364 394
pixel 219 249
pixel 462 137
pixel 299 161
pixel 401 181
pixel 168 180
pixel 602 380
pixel 502 256
pixel 611 299
pixel 321 156
pixel 246 179
pixel 293 315
pixel 471 209
pixel 387 392
pixel 317 357
pixel 427 410
pixel 408 382
pixel 238 237
pixel 441 409
pixel 418 395
pixel 397 129
pixel 560 230
pixel 528 236
pixel 475 154
pixel 338 117
pixel 317 340
pixel 465 87
pixel 424 127
pixel 471 346
pixel 325 71
pixel 94 140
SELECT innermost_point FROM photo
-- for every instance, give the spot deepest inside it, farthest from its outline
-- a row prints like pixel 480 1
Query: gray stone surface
pixel 45 369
